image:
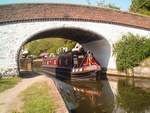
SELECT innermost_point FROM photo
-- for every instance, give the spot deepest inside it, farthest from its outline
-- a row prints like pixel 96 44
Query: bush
pixel 130 51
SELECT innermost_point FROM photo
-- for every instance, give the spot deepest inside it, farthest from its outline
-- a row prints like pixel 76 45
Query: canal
pixel 112 95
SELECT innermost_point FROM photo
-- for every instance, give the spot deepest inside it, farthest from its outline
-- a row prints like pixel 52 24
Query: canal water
pixel 113 95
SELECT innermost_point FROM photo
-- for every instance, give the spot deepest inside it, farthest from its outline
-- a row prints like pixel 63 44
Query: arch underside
pixel 75 34
pixel 100 47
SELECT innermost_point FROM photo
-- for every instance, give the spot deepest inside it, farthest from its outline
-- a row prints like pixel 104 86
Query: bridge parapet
pixel 44 12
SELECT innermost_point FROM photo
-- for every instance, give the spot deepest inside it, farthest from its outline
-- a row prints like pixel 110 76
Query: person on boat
pixel 77 47
pixel 89 58
pixel 75 52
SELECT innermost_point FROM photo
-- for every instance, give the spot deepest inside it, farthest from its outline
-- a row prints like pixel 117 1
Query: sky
pixel 123 4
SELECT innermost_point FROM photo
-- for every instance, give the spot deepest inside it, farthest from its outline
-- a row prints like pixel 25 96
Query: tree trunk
pixel 133 82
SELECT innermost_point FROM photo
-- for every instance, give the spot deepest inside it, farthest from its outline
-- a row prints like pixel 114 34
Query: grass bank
pixel 37 99
pixel 7 83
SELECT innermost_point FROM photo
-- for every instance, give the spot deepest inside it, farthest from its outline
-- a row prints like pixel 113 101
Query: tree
pixel 112 6
pixel 38 46
pixel 70 44
pixel 140 6
pixel 49 45
pixel 102 3
pixel 130 51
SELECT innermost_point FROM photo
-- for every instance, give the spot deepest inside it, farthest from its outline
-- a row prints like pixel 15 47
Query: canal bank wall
pixel 139 72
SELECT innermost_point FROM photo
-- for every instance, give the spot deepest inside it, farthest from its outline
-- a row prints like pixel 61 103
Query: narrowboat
pixel 78 63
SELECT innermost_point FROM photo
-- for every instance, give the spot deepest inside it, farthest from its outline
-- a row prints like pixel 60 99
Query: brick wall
pixel 34 12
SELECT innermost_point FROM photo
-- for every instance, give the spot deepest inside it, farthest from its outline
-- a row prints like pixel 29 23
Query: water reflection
pixel 86 96
pixel 115 95
pixel 92 97
pixel 131 98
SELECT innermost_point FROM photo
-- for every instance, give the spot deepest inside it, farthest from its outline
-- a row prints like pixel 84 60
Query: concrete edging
pixel 136 74
pixel 61 107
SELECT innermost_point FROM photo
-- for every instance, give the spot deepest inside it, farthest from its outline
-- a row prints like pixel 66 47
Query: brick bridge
pixel 97 29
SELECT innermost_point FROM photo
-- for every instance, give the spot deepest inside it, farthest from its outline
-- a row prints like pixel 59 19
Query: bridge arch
pixel 80 35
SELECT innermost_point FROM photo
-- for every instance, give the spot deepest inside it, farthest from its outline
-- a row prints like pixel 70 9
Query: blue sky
pixel 123 4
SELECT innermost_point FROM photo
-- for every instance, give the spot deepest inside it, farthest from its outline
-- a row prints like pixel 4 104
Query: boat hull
pixel 66 73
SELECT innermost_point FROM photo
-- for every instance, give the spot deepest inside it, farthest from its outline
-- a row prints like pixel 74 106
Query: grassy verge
pixel 36 99
pixel 8 83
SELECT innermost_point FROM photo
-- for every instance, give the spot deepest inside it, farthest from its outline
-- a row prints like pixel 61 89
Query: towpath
pixel 10 99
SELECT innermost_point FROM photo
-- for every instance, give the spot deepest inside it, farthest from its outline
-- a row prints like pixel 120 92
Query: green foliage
pixel 140 6
pixel 130 51
pixel 49 45
pixel 102 3
pixel 38 46
pixel 113 7
pixel 132 99
pixel 69 44
pixel 56 43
